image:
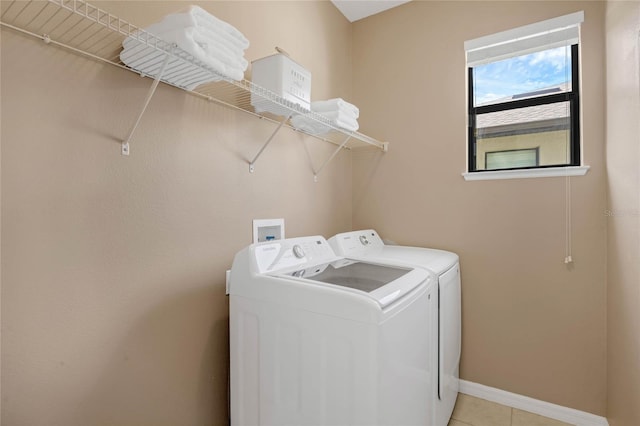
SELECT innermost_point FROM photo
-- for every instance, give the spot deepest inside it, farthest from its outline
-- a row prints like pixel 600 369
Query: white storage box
pixel 286 79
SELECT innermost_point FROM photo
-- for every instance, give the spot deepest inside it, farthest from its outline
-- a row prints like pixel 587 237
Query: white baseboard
pixel 542 408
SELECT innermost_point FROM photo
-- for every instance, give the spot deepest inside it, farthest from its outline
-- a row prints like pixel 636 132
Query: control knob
pixel 298 252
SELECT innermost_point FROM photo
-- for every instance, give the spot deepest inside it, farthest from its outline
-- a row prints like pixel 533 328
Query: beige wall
pixel 531 325
pixel 113 305
pixel 1 234
pixel 623 213
pixel 112 268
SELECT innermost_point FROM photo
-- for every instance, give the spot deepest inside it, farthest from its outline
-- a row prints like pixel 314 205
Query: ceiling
pixel 354 10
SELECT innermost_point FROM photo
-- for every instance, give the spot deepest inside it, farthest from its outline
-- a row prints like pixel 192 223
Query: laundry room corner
pixel 623 212
pixel 527 317
pixel 312 212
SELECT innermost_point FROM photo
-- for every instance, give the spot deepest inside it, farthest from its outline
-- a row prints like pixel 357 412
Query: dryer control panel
pixel 356 243
pixel 283 254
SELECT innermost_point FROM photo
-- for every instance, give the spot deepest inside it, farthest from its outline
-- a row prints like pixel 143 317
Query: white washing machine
pixel 367 245
pixel 317 339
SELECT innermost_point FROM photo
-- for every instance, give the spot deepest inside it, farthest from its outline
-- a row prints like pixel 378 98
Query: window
pixel 523 97
pixel 496 160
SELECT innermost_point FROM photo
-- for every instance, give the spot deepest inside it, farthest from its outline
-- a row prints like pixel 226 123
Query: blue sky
pixel 522 74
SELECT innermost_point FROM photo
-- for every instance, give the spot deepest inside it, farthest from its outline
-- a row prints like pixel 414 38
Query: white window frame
pixel 520 41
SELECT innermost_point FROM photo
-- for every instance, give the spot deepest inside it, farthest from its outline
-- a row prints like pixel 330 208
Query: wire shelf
pixel 88 30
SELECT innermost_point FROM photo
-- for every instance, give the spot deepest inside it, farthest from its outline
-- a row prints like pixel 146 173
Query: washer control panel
pixel 284 254
pixel 356 243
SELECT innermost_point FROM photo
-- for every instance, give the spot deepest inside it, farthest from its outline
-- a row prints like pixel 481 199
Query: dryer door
pixel 449 337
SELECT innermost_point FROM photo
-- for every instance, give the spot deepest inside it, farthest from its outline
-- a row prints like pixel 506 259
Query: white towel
pixel 336 104
pixel 217 48
pixel 195 16
pixel 192 42
pixel 215 43
pixel 221 49
pixel 341 119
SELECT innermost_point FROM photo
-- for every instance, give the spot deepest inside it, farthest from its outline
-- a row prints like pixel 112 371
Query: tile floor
pixel 471 411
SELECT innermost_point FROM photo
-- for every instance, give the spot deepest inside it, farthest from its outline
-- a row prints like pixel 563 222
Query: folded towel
pixel 341 119
pixel 192 42
pixel 336 104
pixel 216 44
pixel 207 40
pixel 221 49
pixel 195 16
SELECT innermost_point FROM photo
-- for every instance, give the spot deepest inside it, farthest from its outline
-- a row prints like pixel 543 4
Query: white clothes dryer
pixel 367 245
pixel 318 339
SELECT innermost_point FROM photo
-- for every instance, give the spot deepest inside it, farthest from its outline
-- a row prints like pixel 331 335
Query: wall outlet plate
pixel 268 230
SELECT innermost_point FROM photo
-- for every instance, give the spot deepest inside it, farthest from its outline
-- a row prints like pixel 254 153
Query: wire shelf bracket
pixel 253 162
pixel 331 157
pixel 152 90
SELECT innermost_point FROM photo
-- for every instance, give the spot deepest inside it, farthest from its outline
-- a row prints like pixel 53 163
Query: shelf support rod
pixel 253 162
pixel 328 160
pixel 152 90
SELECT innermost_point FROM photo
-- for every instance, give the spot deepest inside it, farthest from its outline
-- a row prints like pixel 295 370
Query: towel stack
pixel 339 112
pixel 215 43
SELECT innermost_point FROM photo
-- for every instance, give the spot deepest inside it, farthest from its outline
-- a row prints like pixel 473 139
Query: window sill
pixel 527 173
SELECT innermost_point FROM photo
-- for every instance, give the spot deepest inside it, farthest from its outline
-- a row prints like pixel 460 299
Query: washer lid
pixel 383 283
pixel 368 244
